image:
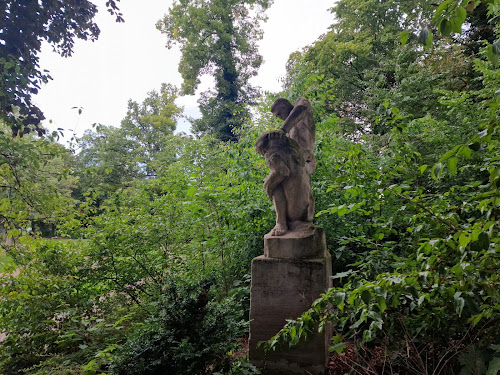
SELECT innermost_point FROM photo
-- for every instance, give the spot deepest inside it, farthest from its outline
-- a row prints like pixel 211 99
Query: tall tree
pixel 361 62
pixel 151 124
pixel 357 61
pixel 24 26
pixel 112 158
pixel 218 37
pixel 106 160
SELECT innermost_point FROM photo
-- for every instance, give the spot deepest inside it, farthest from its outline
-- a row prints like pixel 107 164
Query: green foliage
pixel 150 125
pixel 421 230
pixel 112 158
pixel 202 214
pixel 104 160
pixel 476 20
pixel 406 188
pixel 35 185
pixel 218 38
pixel 357 62
pixel 24 26
pixel 53 320
pixel 188 332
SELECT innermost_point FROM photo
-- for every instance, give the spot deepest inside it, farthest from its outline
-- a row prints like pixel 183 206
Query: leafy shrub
pixel 53 320
pixel 188 332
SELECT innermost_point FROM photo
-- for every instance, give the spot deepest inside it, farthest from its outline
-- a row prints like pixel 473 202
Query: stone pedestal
pixel 294 270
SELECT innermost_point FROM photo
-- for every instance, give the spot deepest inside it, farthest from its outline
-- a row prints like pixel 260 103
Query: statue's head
pixel 281 108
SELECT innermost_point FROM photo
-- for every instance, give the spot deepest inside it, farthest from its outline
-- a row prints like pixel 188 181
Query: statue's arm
pixel 279 171
pixel 301 107
pixel 293 118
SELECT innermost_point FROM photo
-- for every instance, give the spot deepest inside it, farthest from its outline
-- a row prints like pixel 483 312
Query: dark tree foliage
pixel 188 333
pixel 370 55
pixel 479 29
pixel 218 38
pixel 24 25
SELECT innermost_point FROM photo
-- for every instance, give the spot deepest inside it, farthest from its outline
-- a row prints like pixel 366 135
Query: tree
pixel 219 38
pixel 361 61
pixel 151 124
pixel 113 158
pixel 35 185
pixel 106 161
pixel 357 62
pixel 24 26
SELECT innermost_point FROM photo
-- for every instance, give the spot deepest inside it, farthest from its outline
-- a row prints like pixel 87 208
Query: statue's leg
pixel 300 204
pixel 280 205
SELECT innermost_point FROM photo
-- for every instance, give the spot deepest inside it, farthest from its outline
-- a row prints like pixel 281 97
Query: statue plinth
pixel 293 272
pixel 305 241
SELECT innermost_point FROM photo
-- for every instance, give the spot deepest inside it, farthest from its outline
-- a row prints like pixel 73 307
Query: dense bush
pixel 188 332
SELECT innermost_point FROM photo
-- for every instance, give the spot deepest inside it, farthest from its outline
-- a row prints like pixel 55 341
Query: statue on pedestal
pixel 289 154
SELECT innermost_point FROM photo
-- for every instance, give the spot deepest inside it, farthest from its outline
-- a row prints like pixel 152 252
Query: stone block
pixel 283 288
pixel 307 243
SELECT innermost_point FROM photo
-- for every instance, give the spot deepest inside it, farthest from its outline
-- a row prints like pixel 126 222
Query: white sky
pixel 130 59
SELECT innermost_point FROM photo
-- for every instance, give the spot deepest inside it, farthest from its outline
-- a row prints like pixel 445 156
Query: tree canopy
pixel 24 26
pixel 218 38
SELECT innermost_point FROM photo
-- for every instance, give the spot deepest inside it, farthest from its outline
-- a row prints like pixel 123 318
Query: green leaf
pixel 450 153
pixel 339 300
pixel 494 366
pixel 382 305
pixel 190 191
pixel 464 239
pixel 457 270
pixel 441 8
pixel 340 275
pixel 423 36
pixel 474 146
pixel 482 243
pixel 413 291
pixel 466 152
pixel 452 165
pixel 338 348
pixel 423 168
pixel 403 37
pixel 496 47
pixel 461 14
pixel 458 19
pixel 445 27
pixel 456 24
pixel 366 296
pixel 367 336
pixel 437 171
pixel 491 55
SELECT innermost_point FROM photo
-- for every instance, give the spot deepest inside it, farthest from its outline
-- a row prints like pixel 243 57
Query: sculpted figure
pixel 289 156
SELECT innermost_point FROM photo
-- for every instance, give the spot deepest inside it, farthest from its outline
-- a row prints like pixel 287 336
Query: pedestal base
pixel 284 288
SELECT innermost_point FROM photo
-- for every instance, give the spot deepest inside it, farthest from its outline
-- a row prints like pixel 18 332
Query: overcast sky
pixel 130 59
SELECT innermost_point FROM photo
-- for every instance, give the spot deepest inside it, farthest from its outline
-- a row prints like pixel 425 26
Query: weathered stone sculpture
pixel 296 266
pixel 289 155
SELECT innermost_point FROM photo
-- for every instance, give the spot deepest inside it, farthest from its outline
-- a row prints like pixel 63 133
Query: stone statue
pixel 289 156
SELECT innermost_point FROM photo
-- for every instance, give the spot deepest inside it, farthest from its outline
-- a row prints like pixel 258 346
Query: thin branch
pixel 448 224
